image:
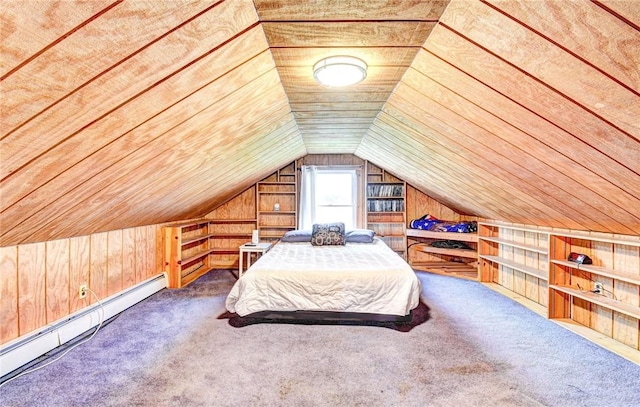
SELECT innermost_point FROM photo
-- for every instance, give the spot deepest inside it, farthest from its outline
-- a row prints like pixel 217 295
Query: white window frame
pixel 306 213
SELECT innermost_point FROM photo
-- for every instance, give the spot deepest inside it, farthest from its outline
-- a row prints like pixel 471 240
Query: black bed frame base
pixel 328 317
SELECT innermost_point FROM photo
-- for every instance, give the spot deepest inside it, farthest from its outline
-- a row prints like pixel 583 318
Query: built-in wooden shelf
pixel 468 253
pixel 610 303
pixel 448 268
pixel 380 189
pixel 530 248
pixel 512 254
pixel 194 239
pixel 428 234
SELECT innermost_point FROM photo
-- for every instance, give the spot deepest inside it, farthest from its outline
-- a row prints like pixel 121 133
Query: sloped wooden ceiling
pixel 124 113
pixel 524 111
pixel 385 34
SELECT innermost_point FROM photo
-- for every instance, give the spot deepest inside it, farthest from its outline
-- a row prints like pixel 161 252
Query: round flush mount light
pixel 340 71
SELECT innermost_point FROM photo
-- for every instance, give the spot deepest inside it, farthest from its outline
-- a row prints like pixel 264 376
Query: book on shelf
pixel 385 190
pixel 386 205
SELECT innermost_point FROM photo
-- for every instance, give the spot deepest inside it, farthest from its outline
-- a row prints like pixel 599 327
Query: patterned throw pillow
pixel 328 234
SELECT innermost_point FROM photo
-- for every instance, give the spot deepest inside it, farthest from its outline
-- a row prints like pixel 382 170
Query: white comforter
pixel 357 277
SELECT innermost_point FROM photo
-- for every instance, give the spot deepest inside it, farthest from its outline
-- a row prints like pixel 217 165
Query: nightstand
pixel 248 248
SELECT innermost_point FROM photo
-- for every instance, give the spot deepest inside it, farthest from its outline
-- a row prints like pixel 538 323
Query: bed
pixel 366 279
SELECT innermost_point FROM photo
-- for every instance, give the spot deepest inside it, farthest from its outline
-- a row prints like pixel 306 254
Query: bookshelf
pixel 386 207
pixel 276 202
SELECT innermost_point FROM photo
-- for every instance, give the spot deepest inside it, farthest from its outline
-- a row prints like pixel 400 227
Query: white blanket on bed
pixel 357 277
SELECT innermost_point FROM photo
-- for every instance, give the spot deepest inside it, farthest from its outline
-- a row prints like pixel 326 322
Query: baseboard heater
pixel 26 348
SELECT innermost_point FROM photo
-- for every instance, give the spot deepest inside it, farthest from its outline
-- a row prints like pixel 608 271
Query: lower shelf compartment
pixel 471 254
pixel 448 268
pixel 189 278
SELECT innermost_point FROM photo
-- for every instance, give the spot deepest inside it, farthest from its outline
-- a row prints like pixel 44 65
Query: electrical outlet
pixel 82 291
pixel 598 287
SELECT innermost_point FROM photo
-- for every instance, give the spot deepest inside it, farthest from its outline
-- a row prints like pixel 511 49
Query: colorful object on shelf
pixel 428 222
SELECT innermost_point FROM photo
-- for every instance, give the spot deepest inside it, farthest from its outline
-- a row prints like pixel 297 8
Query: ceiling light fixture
pixel 340 71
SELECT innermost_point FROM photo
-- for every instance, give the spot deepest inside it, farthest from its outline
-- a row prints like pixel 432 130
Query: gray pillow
pixel 295 236
pixel 360 236
pixel 328 234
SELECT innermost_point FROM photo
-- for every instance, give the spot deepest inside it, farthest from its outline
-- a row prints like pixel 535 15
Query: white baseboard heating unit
pixel 28 347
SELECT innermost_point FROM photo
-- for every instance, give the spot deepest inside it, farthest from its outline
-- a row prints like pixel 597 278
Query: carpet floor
pixel 467 346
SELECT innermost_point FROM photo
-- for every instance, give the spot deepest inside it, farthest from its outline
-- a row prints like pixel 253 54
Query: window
pixel 330 194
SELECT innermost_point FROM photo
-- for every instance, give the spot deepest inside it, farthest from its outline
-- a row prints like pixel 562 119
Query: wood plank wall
pixel 39 281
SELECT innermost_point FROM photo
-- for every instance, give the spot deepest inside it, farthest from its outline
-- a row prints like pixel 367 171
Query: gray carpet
pixel 469 346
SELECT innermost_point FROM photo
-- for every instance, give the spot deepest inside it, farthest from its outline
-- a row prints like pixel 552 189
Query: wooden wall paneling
pixel 362 87
pixel 602 318
pixel 321 145
pixel 339 106
pixel 132 191
pixel 334 128
pixel 302 75
pixel 626 10
pixel 386 79
pixel 413 169
pixel 232 178
pixel 129 267
pixel 420 204
pixel 602 148
pixel 98 266
pixel 57 290
pixel 331 159
pixel 79 269
pixel 437 133
pixel 543 264
pixel 506 276
pixel 44 24
pixel 95 54
pixel 347 33
pixel 114 262
pixel 242 206
pixel 154 250
pixel 192 154
pixel 194 160
pixel 581 310
pixel 32 308
pixel 537 166
pixel 394 128
pixel 147 243
pixel 520 279
pixel 9 320
pixel 610 47
pixel 540 138
pixel 375 56
pixel 141 254
pixel 477 176
pixel 69 119
pixel 143 143
pixel 345 10
pixel 375 149
pixel 335 114
pixel 39 281
pixel 531 259
pixel 453 157
pixel 284 139
pixel 567 74
pixel 625 328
